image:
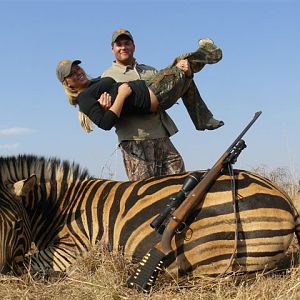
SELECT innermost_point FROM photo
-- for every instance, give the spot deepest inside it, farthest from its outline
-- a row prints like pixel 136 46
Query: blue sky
pixel 259 71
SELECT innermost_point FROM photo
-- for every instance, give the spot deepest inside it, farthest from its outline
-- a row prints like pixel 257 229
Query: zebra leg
pixel 57 257
pixel 296 201
pixel 297 228
pixel 296 257
pixel 295 208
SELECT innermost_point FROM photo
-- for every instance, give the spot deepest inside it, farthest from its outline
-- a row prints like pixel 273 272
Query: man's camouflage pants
pixel 147 158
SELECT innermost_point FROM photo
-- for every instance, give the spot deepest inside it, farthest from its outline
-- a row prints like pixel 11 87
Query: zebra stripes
pixel 69 212
pixel 15 232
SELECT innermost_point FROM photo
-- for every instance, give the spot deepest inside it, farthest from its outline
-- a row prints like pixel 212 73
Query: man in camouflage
pixel 145 139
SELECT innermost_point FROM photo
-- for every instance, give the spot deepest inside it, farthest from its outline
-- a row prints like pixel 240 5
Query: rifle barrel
pixel 257 114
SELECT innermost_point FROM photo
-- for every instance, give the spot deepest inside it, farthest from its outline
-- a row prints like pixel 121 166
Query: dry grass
pixel 283 177
pixel 103 275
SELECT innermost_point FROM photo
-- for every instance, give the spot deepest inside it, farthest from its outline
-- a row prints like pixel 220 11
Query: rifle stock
pixel 192 200
pixel 155 257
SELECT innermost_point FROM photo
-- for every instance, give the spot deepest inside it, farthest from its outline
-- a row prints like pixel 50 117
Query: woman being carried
pixel 138 96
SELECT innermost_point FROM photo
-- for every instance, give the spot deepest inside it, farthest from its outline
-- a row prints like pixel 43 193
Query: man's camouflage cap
pixel 63 68
pixel 120 32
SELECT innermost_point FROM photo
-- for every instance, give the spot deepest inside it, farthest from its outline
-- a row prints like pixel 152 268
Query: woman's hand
pixel 105 100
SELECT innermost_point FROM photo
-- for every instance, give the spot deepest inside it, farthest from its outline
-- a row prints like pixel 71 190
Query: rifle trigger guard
pixel 181 227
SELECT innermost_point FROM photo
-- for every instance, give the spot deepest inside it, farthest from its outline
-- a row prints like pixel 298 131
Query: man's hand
pixel 184 66
pixel 105 100
pixel 125 90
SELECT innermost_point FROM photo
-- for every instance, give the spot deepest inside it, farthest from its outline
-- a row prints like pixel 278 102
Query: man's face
pixel 123 49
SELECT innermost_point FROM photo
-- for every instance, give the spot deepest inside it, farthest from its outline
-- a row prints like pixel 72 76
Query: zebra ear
pixel 23 187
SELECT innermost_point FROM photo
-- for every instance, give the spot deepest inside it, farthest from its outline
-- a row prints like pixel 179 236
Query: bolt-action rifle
pixel 153 261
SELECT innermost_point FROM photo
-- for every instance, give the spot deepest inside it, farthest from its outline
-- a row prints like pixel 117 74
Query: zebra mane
pixel 15 168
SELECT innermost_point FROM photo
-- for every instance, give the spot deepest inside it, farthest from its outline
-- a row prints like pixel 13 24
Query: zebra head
pixel 15 232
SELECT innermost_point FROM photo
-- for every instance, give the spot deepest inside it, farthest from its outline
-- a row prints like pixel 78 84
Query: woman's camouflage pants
pixel 170 84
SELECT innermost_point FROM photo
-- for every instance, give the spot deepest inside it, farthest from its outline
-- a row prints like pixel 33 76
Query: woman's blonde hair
pixel 84 120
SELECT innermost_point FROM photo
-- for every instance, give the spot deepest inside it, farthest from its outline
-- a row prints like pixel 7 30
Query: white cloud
pixel 15 131
pixel 9 146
